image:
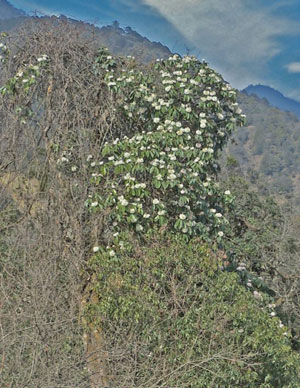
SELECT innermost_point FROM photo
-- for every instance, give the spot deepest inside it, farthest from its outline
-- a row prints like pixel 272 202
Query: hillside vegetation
pixel 268 148
pixel 126 259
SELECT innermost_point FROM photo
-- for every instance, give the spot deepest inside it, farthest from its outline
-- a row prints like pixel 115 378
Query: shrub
pixel 172 318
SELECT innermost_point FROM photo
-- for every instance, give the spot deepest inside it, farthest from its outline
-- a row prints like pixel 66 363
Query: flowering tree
pixel 163 174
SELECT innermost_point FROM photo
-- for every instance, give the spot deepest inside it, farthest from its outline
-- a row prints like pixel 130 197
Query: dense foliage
pixel 188 324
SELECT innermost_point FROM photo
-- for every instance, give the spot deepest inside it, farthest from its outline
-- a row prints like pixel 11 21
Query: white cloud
pixel 293 67
pixel 237 37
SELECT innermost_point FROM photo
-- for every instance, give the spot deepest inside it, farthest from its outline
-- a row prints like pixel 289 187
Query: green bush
pixel 172 318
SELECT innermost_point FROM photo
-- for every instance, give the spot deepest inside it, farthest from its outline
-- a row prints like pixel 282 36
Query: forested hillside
pixel 268 148
pixel 131 255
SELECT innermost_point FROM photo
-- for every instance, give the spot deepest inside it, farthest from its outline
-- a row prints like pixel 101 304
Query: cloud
pixel 293 67
pixel 237 37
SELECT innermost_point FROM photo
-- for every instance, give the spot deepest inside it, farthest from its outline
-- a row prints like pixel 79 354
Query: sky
pixel 247 41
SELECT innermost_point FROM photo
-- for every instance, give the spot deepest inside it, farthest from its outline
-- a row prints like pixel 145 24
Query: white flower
pixel 194 82
pixel 156 120
pixel 132 210
pixel 182 216
pixel 256 295
pixel 155 201
pixel 124 202
pixel 203 123
pixel 96 249
pixel 112 253
pixel 161 212
pixel 168 88
pixel 227 192
pixel 213 210
pixel 273 314
pixel 146 215
pixel 94 204
pixel 139 228
pixel 221 234
pixel 73 168
pixel 219 215
pixel 140 160
pixel 187 91
pixel 188 109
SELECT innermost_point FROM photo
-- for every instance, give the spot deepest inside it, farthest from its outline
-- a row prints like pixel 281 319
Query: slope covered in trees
pixel 267 148
pixel 125 260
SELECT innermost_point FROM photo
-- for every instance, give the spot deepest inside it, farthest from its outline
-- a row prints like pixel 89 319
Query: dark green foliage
pixel 187 323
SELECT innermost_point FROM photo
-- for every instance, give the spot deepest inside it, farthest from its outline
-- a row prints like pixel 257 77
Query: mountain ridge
pixel 274 97
pixel 8 11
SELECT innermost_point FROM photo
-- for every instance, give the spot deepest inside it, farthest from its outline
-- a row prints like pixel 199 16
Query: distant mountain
pixel 275 98
pixel 7 11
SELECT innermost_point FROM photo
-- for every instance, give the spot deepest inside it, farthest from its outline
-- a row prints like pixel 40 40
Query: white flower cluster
pixel 162 171
pixel 4 51
pixel 25 77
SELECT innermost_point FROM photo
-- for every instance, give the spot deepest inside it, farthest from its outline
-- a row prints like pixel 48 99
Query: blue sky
pixel 247 41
